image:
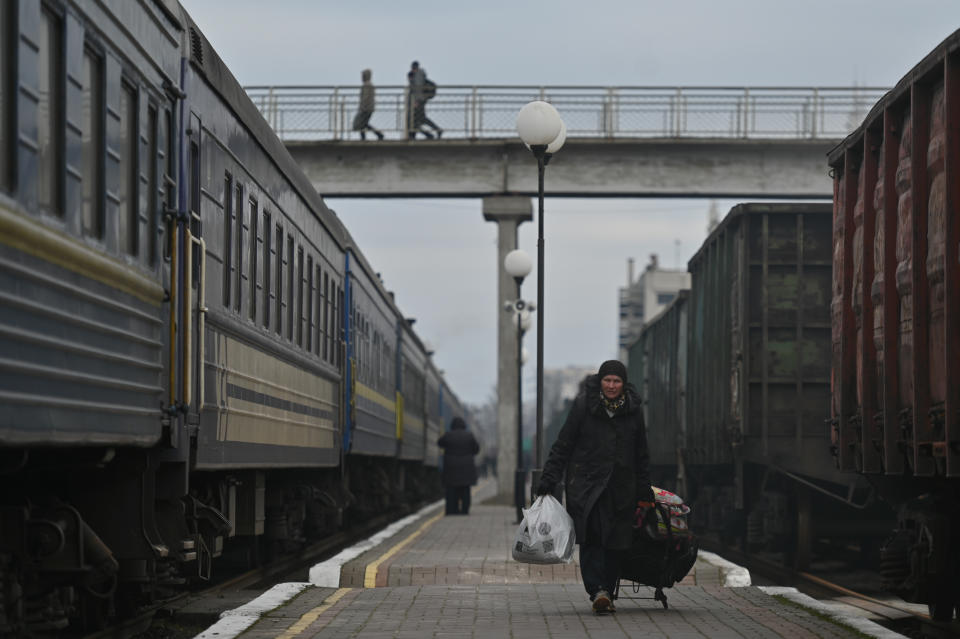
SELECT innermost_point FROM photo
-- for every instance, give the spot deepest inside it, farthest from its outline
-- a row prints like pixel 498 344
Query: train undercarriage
pixel 95 535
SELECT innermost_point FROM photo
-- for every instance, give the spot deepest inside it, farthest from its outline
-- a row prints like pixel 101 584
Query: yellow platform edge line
pixel 309 617
pixel 370 574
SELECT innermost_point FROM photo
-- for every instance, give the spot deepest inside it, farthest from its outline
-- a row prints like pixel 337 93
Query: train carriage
pixel 412 365
pixel 657 360
pixel 271 266
pixel 435 424
pixel 174 325
pixel 895 413
pixel 758 366
pixel 372 371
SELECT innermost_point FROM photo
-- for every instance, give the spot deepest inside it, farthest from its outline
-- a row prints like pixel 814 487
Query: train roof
pixel 204 58
pixel 918 73
pixel 360 261
pixel 746 208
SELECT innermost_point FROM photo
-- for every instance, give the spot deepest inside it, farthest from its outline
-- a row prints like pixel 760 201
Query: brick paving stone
pixel 457 579
pixel 556 611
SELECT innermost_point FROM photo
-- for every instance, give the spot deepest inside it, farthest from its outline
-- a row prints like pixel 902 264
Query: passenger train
pixel 197 362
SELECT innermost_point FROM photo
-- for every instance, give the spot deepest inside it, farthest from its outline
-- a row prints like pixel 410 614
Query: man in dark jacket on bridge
pixel 459 472
pixel 602 451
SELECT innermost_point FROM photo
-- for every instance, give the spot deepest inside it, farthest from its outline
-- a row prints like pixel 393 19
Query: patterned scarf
pixel 612 405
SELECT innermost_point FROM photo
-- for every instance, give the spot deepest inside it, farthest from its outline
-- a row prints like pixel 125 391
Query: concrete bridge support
pixel 509 212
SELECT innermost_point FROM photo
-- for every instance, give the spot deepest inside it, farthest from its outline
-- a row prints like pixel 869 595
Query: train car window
pixel 280 301
pixel 227 237
pixel 254 245
pixel 8 39
pixel 170 185
pixel 292 306
pixel 127 173
pixel 366 349
pixel 325 330
pixel 337 338
pixel 51 79
pixel 92 143
pixel 375 360
pixel 299 296
pixel 318 314
pixel 358 341
pixel 238 207
pixel 194 194
pixel 310 286
pixel 154 193
pixel 267 263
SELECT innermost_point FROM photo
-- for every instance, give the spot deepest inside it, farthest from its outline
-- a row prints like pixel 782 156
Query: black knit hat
pixel 458 424
pixel 613 367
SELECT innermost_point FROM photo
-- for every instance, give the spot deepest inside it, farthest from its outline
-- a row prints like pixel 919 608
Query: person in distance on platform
pixel 420 90
pixel 602 452
pixel 361 121
pixel 459 472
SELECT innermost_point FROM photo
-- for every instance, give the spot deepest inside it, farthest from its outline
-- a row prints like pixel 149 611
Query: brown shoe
pixel 602 602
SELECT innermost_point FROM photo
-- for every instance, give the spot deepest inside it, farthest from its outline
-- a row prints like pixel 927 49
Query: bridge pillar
pixel 509 212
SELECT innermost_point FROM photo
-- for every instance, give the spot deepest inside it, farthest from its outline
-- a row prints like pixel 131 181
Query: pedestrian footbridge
pixel 725 142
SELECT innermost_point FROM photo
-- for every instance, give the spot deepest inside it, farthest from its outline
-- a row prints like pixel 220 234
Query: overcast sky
pixel 439 256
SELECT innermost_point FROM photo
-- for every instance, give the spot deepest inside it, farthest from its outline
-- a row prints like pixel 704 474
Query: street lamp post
pixel 518 265
pixel 544 132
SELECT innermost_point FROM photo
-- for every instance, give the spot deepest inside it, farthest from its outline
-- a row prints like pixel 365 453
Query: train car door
pixel 193 300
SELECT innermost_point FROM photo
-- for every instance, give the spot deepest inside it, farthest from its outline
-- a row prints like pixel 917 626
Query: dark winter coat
pixel 606 464
pixel 459 446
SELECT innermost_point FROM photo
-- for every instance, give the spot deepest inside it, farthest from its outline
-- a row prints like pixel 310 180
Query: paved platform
pixel 452 576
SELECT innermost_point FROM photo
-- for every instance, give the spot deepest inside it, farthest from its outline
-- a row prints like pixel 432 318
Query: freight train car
pixel 746 435
pixel 657 367
pixel 896 321
pixel 198 364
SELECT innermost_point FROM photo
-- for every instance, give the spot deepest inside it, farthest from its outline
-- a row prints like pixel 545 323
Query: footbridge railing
pixel 472 112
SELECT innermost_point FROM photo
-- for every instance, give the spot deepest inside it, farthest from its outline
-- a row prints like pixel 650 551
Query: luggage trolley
pixel 662 551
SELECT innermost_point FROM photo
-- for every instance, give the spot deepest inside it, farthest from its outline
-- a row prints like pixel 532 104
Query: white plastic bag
pixel 546 534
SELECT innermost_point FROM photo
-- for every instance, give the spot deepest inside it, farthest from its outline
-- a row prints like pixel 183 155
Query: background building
pixel 643 298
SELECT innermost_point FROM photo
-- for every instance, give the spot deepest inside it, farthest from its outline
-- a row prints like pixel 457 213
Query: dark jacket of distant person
pixel 606 463
pixel 459 447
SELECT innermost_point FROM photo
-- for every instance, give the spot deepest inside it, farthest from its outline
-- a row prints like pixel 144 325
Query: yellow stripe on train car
pixel 30 236
pixel 380 399
pixel 399 415
pixel 413 423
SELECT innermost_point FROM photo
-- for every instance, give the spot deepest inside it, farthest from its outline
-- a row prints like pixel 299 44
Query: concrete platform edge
pixel 328 573
pixel 861 624
pixel 734 576
pixel 233 622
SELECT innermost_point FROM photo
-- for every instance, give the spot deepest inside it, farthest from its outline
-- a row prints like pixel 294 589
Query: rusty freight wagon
pixel 757 447
pixel 896 321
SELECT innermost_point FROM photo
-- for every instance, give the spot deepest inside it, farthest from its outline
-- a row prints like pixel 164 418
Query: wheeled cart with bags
pixel 663 549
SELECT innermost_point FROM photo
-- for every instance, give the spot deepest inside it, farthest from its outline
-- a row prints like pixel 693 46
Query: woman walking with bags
pixel 602 452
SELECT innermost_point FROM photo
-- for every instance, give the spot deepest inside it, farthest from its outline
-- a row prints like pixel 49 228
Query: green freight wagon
pixel 758 449
pixel 657 366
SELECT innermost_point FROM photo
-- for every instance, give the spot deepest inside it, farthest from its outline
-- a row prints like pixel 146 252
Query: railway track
pixel 156 620
pixel 907 619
